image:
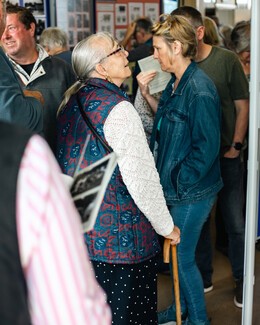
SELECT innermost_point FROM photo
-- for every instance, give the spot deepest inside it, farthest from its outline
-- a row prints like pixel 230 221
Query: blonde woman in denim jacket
pixel 186 137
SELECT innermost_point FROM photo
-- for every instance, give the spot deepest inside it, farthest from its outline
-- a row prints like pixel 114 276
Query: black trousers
pixel 131 291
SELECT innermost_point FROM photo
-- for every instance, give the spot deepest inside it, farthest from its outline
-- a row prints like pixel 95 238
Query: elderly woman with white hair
pixel 123 245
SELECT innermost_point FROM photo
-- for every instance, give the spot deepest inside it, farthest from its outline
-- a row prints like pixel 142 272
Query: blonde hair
pixel 85 56
pixel 211 35
pixel 177 28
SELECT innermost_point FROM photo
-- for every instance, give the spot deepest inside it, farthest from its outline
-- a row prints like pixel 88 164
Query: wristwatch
pixel 237 145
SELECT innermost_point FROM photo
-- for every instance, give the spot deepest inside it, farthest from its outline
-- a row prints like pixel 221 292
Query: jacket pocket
pixel 177 122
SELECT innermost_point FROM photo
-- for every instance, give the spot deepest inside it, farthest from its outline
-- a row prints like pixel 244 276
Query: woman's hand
pixel 143 79
pixel 175 236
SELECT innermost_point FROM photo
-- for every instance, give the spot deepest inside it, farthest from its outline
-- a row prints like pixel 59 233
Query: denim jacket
pixel 187 133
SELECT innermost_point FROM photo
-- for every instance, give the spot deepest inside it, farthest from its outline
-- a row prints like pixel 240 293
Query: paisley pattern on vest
pixel 122 234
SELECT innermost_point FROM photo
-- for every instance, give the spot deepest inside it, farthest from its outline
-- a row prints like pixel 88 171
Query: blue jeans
pixel 231 204
pixel 190 219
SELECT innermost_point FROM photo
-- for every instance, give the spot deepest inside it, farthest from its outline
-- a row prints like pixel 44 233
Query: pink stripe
pixel 36 293
pixel 43 265
pixel 78 284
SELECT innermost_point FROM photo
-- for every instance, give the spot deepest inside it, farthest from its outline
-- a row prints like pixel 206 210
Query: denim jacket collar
pixel 184 79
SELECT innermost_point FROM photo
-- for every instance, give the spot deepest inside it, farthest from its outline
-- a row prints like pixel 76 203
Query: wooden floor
pixel 219 301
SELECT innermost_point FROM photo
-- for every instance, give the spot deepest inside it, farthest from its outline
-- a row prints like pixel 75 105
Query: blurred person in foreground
pixel 17 106
pixel 123 245
pixel 186 139
pixel 46 277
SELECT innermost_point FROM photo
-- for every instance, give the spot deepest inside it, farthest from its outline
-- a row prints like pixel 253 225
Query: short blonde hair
pixel 177 28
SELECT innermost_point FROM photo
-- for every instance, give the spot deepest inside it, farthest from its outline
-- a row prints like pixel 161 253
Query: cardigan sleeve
pixel 125 134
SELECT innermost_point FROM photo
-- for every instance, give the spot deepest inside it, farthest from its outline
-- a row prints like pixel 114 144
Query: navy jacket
pixel 14 106
pixel 52 77
pixel 187 131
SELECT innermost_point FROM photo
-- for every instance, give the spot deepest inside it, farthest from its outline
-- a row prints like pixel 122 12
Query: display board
pixel 76 18
pixel 115 16
pixel 40 10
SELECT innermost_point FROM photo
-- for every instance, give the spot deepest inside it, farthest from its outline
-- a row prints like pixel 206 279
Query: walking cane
pixel 167 247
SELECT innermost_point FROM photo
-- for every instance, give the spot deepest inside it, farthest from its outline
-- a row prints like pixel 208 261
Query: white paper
pixel 161 79
pixel 89 186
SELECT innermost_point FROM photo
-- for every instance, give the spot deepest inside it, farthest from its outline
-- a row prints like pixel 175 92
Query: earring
pixel 108 78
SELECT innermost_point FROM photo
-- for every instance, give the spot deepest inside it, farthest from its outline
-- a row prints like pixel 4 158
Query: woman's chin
pixel 129 72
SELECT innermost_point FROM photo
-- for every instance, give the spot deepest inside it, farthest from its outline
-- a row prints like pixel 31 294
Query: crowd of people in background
pixel 180 152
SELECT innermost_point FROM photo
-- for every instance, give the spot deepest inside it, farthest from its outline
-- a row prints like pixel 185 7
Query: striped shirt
pixel 61 284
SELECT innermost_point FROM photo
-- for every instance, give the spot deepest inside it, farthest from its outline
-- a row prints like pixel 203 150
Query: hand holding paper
pixel 160 80
pixel 144 79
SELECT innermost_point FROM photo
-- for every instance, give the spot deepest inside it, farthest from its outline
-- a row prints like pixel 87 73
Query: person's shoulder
pixel 56 62
pixel 57 59
pixel 58 67
pixel 224 53
pixel 65 55
pixel 204 83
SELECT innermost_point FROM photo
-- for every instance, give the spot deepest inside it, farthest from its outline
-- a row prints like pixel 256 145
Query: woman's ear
pixel 101 70
pixel 176 47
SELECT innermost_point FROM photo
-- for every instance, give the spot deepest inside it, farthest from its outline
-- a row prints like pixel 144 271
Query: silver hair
pixel 85 56
pixel 53 37
pixel 240 36
pixel 89 52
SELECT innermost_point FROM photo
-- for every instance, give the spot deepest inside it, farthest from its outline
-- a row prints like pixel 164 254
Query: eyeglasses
pixel 120 48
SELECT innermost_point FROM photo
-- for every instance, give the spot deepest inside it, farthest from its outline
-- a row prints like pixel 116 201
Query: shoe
pixel 238 298
pixel 208 287
pixel 168 316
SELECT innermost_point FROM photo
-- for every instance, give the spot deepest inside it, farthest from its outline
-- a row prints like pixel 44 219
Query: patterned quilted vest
pixel 122 234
